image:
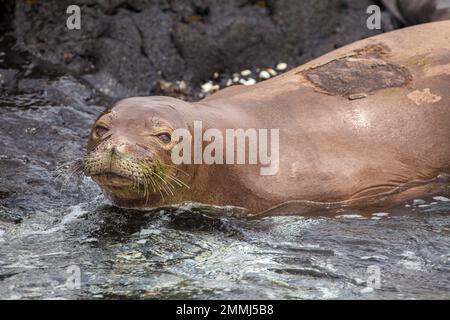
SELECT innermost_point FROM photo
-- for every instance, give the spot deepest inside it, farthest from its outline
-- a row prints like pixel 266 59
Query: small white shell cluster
pixel 246 77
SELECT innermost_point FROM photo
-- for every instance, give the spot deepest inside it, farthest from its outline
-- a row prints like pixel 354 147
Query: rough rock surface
pixel 123 47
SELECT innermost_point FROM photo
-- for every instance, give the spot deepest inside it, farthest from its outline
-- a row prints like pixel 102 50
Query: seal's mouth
pixel 129 179
pixel 112 179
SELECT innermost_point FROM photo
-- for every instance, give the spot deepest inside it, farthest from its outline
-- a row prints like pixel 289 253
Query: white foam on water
pixel 58 253
pixel 417 202
pixel 412 265
pixel 441 198
pixel 412 262
pixel 20 265
pixel 367 290
pixel 294 245
pixel 380 214
pixel 329 293
pixel 146 232
pixel 290 225
pixel 374 257
pixel 350 216
pixel 75 213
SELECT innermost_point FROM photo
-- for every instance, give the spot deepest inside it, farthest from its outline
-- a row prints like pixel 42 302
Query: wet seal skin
pixel 360 127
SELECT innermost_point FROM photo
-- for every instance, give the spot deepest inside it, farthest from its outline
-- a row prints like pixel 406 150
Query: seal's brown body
pixel 367 123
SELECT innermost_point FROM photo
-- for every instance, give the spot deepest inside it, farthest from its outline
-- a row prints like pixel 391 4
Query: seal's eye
pixel 165 137
pixel 99 131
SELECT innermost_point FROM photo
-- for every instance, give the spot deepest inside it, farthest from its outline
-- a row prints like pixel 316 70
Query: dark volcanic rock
pixel 39 145
pixel 123 47
pixel 6 15
pixel 8 79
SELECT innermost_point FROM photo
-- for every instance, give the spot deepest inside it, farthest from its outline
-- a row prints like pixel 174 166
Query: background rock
pixel 124 47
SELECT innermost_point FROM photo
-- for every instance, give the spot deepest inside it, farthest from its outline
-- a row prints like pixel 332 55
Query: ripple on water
pixel 187 253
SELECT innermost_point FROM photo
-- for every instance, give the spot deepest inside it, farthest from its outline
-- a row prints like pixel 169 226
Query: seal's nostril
pixel 118 149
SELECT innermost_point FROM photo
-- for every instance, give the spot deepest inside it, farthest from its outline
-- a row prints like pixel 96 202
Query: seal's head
pixel 129 151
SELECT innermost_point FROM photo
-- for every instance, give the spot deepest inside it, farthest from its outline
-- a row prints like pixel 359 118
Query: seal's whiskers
pixel 74 168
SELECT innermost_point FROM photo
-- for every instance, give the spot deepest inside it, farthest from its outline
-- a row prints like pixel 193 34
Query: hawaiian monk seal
pixel 368 123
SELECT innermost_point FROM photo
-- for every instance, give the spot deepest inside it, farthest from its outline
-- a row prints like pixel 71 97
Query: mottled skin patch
pixel 424 96
pixel 351 76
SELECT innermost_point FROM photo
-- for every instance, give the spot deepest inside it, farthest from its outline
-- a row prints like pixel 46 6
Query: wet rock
pixel 29 162
pixel 128 256
pixel 10 215
pixel 8 79
pixel 5 193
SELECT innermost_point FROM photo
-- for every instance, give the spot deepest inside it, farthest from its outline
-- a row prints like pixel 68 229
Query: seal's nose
pixel 118 149
pixel 131 151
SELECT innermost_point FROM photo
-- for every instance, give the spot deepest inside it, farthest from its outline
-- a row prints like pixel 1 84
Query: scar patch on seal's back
pixel 357 74
pixel 424 96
